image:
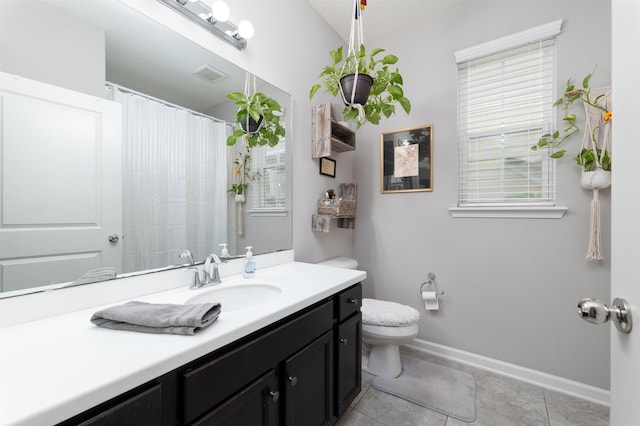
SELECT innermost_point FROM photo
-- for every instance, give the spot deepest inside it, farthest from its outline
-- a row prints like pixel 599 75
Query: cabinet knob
pixel 344 341
pixel 275 395
pixel 354 301
pixel 293 380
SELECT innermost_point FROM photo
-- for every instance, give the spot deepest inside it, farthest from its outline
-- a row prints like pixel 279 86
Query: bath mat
pixel 445 390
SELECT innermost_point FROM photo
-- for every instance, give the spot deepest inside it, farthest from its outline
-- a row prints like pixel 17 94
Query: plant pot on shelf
pixel 249 125
pixel 363 88
pixel 595 179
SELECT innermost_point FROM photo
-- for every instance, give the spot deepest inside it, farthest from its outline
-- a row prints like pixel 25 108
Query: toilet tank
pixel 341 262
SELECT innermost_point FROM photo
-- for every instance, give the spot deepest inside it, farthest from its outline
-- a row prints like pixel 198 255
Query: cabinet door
pixel 308 377
pixel 255 405
pixel 349 362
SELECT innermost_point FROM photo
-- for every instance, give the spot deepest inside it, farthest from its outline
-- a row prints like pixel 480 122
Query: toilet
pixel 385 326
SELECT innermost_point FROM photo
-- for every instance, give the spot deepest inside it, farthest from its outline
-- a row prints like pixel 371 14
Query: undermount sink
pixel 240 296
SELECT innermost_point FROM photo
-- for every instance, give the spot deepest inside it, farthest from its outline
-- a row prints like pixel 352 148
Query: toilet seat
pixel 388 314
pixel 383 331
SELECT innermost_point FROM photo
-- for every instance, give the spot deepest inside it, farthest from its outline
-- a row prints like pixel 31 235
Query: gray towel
pixel 158 318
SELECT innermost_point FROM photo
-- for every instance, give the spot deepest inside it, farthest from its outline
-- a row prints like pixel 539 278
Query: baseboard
pixel 538 378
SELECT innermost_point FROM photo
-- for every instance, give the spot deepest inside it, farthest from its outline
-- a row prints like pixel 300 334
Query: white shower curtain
pixel 174 182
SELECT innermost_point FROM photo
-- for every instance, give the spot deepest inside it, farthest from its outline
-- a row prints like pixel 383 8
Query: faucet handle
pixel 194 281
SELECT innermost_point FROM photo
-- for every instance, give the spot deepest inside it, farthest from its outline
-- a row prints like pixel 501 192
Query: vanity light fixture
pixel 214 17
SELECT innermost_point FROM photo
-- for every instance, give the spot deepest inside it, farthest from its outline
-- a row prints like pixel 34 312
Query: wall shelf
pixel 327 135
pixel 342 208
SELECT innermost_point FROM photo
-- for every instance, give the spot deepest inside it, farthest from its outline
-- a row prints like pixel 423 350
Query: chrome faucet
pixel 211 278
pixel 186 254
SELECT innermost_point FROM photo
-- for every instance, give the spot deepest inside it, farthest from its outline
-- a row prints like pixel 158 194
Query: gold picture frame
pixel 406 160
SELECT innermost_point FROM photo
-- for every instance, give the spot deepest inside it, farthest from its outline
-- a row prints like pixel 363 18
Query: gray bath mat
pixel 443 389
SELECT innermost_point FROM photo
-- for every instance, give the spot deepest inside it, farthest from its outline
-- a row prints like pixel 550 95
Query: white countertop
pixel 55 368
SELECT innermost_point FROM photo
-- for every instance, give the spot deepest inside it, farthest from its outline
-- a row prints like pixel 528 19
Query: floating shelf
pixel 342 208
pixel 327 135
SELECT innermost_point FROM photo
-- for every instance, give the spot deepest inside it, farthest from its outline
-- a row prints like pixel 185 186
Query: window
pixel 505 97
pixel 269 191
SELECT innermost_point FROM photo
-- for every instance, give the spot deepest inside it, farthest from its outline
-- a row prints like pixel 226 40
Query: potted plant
pixel 259 118
pixel 594 155
pixel 368 71
pixel 243 176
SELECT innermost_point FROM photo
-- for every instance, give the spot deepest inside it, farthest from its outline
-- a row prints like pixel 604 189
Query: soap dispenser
pixel 249 264
pixel 224 252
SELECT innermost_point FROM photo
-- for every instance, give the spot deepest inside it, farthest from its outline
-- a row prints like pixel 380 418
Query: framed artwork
pixel 327 167
pixel 405 160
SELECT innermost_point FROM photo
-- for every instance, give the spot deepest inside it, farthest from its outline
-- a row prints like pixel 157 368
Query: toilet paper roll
pixel 430 299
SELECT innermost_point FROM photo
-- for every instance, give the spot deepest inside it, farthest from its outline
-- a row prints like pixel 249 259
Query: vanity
pixel 293 359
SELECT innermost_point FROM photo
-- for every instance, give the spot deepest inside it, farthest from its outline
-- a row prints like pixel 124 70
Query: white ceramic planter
pixel 596 179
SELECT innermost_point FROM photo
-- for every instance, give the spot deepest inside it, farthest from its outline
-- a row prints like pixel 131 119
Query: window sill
pixel 268 212
pixel 509 212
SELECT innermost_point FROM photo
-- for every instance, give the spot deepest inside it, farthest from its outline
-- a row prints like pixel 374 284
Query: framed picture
pixel 405 160
pixel 327 167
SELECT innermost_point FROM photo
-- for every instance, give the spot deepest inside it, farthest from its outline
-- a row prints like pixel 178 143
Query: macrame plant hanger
pixel 240 199
pixel 356 38
pixel 596 129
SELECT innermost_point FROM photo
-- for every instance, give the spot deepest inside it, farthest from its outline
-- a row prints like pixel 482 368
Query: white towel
pixel 390 314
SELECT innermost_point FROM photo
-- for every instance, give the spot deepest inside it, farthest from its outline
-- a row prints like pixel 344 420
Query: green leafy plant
pixel 242 173
pixel 257 106
pixel 386 91
pixel 553 141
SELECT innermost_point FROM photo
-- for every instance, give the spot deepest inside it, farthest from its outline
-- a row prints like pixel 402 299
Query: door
pixel 349 362
pixel 60 183
pixel 255 405
pixel 308 377
pixel 625 210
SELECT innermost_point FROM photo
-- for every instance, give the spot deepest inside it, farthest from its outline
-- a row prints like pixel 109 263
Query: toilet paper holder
pixel 430 284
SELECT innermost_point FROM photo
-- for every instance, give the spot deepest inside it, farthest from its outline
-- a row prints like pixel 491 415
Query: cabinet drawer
pixel 349 302
pixel 140 409
pixel 207 385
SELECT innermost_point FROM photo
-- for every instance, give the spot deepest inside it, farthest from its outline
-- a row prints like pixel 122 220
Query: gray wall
pixel 511 285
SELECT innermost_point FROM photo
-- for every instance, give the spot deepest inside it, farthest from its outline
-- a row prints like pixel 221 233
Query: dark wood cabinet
pixel 302 370
pixel 308 384
pixel 139 407
pixel 348 381
pixel 255 405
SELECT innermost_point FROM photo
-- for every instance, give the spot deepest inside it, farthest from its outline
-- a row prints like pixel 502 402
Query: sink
pixel 239 296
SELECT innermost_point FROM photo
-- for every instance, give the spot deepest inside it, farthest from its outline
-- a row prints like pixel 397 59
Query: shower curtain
pixel 174 181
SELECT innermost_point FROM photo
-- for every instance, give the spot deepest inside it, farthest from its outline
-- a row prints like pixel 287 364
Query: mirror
pixel 147 59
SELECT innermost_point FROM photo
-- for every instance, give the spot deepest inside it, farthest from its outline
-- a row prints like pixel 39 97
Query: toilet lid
pixel 389 314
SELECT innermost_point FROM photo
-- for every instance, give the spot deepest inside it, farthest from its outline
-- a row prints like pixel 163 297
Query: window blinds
pixel 504 106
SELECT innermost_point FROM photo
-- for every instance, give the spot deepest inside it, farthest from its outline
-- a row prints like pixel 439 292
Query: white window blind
pixel 269 191
pixel 504 106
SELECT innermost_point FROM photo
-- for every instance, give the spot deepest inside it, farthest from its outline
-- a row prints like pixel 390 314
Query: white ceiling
pixel 380 17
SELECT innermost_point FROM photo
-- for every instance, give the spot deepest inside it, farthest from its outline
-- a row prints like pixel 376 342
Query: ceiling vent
pixel 209 74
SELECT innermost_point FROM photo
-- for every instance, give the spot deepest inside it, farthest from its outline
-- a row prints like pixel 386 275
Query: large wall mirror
pixel 173 169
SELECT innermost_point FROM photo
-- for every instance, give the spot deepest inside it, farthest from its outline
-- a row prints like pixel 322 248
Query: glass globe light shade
pixel 245 29
pixel 220 11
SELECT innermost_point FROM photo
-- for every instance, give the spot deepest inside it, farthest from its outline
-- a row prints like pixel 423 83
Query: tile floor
pixel 500 401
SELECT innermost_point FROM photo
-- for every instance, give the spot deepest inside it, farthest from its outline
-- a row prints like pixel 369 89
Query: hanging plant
pixel 258 116
pixel 595 151
pixel 369 88
pixel 594 156
pixel 242 174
